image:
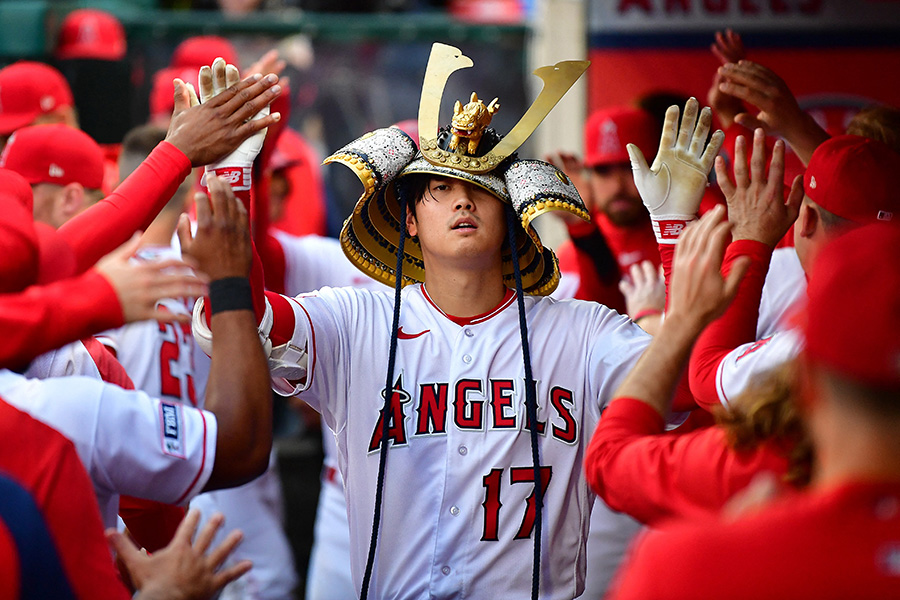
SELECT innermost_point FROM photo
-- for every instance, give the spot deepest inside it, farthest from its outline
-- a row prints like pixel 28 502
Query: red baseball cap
pixel 29 90
pixel 607 132
pixel 91 33
pixel 854 178
pixel 56 154
pixel 16 187
pixel 201 51
pixel 162 94
pixel 857 272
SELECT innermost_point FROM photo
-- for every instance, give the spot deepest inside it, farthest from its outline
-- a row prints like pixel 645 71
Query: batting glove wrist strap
pixel 667 228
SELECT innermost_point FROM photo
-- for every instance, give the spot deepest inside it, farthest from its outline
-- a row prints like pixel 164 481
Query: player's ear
pixel 71 200
pixel 808 220
pixel 411 227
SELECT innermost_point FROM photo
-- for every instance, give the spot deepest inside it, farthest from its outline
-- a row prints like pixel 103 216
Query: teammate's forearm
pixel 239 395
pixel 654 378
pixel 46 317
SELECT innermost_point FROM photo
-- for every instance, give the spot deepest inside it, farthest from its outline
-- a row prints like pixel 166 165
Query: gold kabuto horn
pixel 443 61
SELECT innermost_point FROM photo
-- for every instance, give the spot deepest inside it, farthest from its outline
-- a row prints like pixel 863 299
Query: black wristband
pixel 230 293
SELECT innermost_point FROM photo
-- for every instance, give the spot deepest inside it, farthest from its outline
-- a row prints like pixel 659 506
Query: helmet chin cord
pixel 512 226
pixel 387 393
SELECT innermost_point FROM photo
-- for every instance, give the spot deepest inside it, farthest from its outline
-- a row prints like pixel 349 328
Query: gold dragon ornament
pixel 469 123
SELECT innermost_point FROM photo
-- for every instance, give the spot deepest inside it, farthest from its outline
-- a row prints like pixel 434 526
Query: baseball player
pixel 641 469
pixel 171 451
pixel 847 184
pixel 598 253
pixel 32 93
pixel 839 538
pixel 462 500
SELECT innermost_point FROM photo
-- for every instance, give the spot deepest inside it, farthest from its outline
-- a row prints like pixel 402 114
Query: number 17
pixel 492 503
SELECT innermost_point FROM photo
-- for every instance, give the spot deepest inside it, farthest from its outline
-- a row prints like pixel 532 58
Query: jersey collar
pixel 463 321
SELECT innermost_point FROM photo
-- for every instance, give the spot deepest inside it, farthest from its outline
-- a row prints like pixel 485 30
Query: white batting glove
pixel 673 187
pixel 237 166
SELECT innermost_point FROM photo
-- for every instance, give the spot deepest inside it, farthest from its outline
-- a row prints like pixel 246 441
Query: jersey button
pixel 469 333
pixel 454 510
pixel 463 450
pixel 467 359
pixel 445 570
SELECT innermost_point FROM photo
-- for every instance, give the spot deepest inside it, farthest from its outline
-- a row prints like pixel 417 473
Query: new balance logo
pixel 232 177
pixel 671 229
pixel 409 336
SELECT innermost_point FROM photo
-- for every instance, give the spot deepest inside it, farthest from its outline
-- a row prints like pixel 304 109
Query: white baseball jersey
pixel 313 262
pixel 458 513
pixel 784 288
pixel 750 361
pixel 159 357
pixel 129 442
pixel 65 361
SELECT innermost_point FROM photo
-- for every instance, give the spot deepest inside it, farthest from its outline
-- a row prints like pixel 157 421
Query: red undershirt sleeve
pixel 131 207
pixel 46 317
pixel 653 475
pixel 735 327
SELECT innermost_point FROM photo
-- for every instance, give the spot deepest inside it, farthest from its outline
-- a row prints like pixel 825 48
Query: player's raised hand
pixel 221 247
pixel 208 131
pixel 673 186
pixel 728 47
pixel 141 285
pixel 644 288
pixel 215 81
pixel 778 114
pixel 183 570
pixel 698 292
pixel 756 205
pixel 573 167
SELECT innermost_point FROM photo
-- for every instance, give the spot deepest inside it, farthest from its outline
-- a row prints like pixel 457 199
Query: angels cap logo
pixel 47 103
pixel 609 138
pixel 812 182
pixel 87 31
pixel 55 170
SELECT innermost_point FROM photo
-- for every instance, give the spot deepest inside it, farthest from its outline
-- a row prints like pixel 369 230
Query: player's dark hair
pixel 512 226
pixel 413 188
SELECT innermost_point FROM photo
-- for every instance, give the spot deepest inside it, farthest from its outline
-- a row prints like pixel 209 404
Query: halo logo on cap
pixel 609 138
pixel 87 32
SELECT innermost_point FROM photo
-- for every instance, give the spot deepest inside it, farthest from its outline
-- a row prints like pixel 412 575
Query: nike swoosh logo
pixel 409 336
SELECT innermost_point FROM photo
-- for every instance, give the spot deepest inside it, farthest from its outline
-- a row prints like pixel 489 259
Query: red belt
pixel 330 474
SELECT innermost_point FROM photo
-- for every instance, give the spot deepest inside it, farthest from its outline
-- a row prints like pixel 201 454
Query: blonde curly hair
pixel 767 412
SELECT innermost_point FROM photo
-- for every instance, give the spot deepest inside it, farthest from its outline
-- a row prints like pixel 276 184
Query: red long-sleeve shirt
pixel 735 327
pixel 46 317
pixel 638 468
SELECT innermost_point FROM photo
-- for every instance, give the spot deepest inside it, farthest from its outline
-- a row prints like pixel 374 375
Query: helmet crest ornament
pixel 444 61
